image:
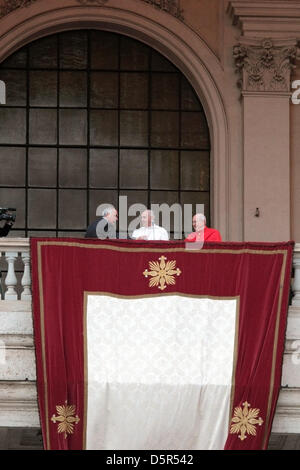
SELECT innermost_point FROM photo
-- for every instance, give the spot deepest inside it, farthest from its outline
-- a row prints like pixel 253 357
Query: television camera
pixel 5 214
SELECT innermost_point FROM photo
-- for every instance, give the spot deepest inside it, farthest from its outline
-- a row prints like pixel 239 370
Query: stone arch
pixel 160 30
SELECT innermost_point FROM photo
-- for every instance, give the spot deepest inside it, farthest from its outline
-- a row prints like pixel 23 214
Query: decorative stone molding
pixel 18 404
pixel 287 416
pixel 265 65
pixel 93 2
pixel 281 18
pixel 170 6
pixel 7 6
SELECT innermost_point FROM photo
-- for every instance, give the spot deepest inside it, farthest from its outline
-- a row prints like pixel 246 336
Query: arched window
pixel 92 115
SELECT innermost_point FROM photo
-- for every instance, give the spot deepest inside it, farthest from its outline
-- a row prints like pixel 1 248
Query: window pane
pixel 43 53
pixel 72 167
pixel 16 60
pixel 42 233
pixel 98 197
pixel 104 50
pixel 164 132
pixel 134 128
pixel 164 197
pixel 103 168
pixel 134 90
pixel 165 91
pixel 42 166
pixel 194 131
pixel 12 166
pixel 194 198
pixel 42 208
pixel 73 50
pixel 169 198
pixel 16 84
pixel 134 169
pixel 104 128
pixel 16 234
pixel 14 198
pixel 189 99
pixel 43 88
pixel 73 89
pixel 72 234
pixel 72 209
pixel 164 169
pixel 133 55
pixel 104 89
pixel 72 127
pixel 160 64
pixel 12 126
pixel 43 126
pixel 135 197
pixel 195 170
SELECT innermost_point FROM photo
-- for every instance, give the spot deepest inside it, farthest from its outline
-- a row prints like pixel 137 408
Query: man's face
pixel 146 219
pixel 198 223
pixel 112 217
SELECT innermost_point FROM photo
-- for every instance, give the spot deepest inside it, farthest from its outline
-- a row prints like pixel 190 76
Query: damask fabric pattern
pixel 201 331
pixel 149 357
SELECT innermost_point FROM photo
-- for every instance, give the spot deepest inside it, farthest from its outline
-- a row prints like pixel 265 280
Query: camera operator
pixel 9 221
pixel 4 230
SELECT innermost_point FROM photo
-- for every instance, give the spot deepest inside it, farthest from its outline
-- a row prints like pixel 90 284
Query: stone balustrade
pixel 12 250
pixel 15 259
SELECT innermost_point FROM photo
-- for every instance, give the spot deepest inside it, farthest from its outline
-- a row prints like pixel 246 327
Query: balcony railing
pixel 16 280
pixel 15 269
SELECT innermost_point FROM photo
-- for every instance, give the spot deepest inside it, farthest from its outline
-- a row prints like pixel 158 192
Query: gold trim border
pixel 41 244
pixel 275 347
pixel 235 358
pixel 159 250
pixel 43 342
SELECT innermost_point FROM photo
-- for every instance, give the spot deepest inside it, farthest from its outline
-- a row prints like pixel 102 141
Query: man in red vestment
pixel 202 233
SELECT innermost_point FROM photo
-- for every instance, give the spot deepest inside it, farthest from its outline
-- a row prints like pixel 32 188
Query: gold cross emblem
pixel 244 421
pixel 66 419
pixel 162 274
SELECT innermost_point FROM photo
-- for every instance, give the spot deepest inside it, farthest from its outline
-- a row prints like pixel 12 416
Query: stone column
pixel 296 286
pixel 26 279
pixel 11 279
pixel 265 66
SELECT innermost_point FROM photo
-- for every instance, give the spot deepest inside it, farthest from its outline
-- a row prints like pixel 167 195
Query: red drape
pixel 63 270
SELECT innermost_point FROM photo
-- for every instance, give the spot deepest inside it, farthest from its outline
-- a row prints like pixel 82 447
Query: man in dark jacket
pixel 5 229
pixel 105 226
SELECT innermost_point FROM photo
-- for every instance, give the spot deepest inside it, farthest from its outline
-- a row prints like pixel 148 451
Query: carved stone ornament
pixel 265 66
pixel 7 6
pixel 169 6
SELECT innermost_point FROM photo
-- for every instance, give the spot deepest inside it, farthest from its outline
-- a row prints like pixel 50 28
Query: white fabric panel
pixel 159 372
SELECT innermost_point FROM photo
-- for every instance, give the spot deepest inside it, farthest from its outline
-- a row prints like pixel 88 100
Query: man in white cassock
pixel 148 229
